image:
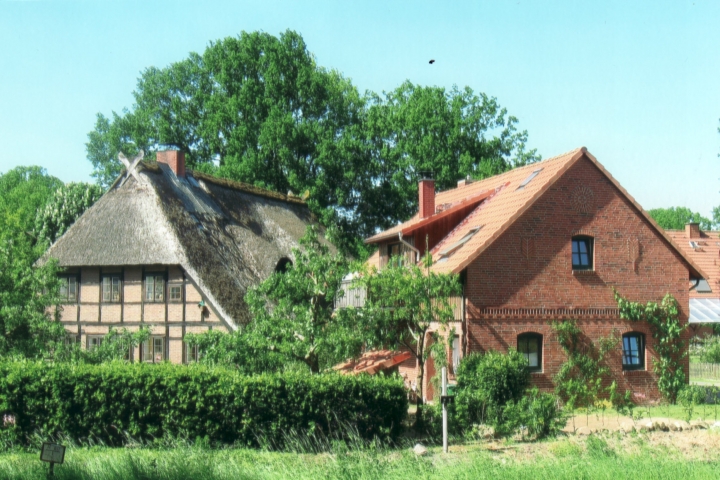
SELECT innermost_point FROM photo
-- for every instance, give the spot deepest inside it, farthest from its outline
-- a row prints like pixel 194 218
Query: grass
pixel 564 458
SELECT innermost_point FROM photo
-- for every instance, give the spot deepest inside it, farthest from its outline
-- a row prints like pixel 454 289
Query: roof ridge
pixel 228 183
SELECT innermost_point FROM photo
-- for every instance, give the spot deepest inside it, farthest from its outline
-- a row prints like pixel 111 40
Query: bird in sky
pixel 431 61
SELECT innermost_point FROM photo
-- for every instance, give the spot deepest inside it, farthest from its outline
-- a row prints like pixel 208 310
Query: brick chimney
pixel 175 159
pixel 692 230
pixel 426 189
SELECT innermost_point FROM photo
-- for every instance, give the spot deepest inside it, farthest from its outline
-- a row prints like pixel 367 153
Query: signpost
pixel 52 453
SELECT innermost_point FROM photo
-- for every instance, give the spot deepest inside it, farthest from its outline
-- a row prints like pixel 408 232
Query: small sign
pixel 447 399
pixel 52 452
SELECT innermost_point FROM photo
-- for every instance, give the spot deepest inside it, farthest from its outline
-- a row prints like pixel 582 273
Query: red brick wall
pixel 530 267
pixel 427 197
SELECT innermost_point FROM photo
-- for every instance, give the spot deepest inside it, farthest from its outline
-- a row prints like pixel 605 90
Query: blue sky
pixel 635 82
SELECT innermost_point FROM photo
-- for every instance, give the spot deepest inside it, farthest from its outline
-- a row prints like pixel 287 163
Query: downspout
pixel 417 252
pixel 697 282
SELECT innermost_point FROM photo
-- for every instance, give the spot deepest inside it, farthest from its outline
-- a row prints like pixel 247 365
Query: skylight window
pixel 449 250
pixel 529 178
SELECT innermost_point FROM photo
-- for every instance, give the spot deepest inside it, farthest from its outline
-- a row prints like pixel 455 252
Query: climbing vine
pixel 579 382
pixel 666 328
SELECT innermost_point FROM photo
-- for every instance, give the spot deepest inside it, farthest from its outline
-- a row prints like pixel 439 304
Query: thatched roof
pixel 227 236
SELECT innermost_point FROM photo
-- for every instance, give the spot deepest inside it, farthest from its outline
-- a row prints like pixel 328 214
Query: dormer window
pixel 582 253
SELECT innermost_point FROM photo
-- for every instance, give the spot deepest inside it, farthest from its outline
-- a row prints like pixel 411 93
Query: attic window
pixel 529 178
pixel 283 265
pixel 703 286
pixel 449 250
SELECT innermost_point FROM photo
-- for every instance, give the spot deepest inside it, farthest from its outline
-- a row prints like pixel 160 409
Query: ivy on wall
pixel 666 329
pixel 579 382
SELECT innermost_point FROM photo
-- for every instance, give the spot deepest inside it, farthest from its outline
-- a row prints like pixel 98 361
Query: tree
pixel 403 302
pixel 26 291
pixel 293 311
pixel 258 109
pixel 453 134
pixel 63 207
pixel 675 218
pixel 23 192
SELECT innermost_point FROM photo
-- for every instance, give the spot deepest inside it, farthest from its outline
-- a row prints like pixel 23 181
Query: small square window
pixel 94 341
pixel 111 288
pixel 154 288
pixel 633 351
pixel 192 353
pixel 176 293
pixel 68 289
pixel 582 253
pixel 153 350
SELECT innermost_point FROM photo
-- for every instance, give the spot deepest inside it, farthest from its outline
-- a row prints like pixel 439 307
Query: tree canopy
pixel 64 206
pixel 257 108
pixel 675 218
pixel 293 310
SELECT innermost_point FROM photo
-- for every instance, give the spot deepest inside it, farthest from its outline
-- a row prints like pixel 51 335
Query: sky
pixel 634 82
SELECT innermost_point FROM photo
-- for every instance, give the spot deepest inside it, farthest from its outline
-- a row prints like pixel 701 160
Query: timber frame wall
pixel 172 320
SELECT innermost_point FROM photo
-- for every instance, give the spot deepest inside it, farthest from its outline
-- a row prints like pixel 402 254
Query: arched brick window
pixel 530 346
pixel 633 351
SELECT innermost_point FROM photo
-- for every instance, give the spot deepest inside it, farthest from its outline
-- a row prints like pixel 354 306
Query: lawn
pixel 657 455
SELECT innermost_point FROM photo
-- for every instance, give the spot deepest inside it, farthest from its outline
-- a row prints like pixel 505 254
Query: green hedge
pixel 111 401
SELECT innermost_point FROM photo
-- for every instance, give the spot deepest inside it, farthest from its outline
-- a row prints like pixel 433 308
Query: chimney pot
pixel 175 159
pixel 692 230
pixel 426 190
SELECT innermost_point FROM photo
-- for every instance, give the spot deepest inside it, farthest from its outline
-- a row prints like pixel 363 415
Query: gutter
pixel 417 252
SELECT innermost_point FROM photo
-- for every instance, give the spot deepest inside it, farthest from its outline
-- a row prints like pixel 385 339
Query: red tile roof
pixel 373 362
pixel 503 199
pixel 706 254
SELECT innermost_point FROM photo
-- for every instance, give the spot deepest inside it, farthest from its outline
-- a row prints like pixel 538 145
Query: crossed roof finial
pixel 131 166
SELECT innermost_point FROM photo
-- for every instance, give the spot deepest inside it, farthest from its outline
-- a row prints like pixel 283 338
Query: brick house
pixel 173 250
pixel 545 242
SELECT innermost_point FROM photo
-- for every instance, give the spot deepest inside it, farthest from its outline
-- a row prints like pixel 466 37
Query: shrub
pixel 710 350
pixel 536 415
pixel 110 402
pixel 486 383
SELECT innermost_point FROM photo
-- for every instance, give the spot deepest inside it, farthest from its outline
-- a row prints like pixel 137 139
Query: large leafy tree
pixel 26 291
pixel 675 218
pixel 293 311
pixel 258 109
pixel 63 207
pixel 452 134
pixel 403 303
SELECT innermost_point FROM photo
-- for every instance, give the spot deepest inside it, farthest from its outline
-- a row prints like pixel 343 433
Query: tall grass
pixel 595 460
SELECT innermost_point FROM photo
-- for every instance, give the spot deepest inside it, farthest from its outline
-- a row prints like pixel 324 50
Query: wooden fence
pixel 704 370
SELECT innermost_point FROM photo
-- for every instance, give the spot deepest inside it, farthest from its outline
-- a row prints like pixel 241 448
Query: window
pixel 111 288
pixel 94 341
pixel 529 178
pixel 633 351
pixel 395 252
pixel 153 350
pixel 582 253
pixel 450 249
pixel 530 346
pixel 192 353
pixel 455 353
pixel 154 288
pixel 283 265
pixel 69 289
pixel 71 339
pixel 176 293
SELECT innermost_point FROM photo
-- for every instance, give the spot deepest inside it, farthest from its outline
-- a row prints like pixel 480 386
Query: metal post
pixel 444 408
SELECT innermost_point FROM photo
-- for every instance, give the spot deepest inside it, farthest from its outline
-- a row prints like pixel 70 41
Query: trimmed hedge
pixel 111 401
